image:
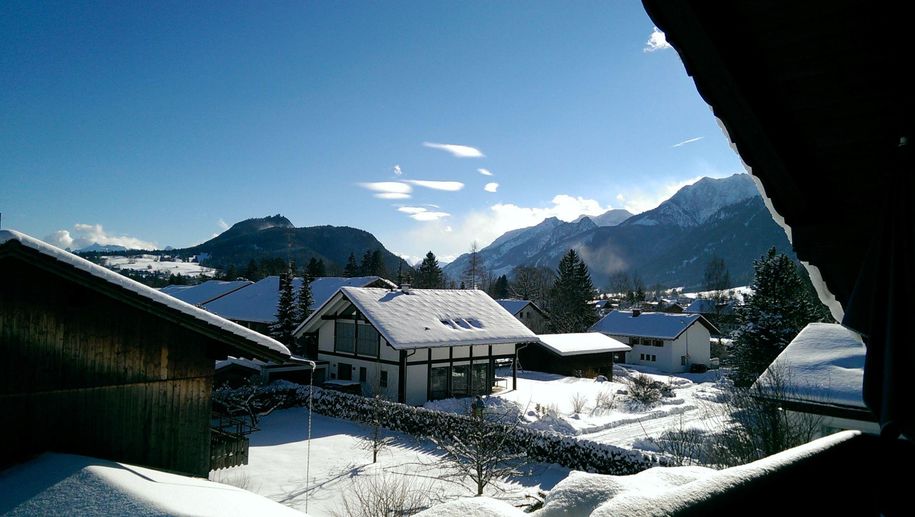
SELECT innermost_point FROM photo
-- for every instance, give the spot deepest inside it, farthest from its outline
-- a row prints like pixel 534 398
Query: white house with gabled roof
pixel 414 345
pixel 666 341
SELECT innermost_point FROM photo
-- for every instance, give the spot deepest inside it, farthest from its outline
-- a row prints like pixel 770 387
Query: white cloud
pixel 411 209
pixel 222 224
pixel 429 216
pixel 450 186
pixel 657 41
pixel 491 187
pixel 420 213
pixel 392 195
pixel 86 234
pixel 688 141
pixel 459 151
pixel 485 172
pixel 450 238
pixel 640 200
pixel 397 171
pixel 388 189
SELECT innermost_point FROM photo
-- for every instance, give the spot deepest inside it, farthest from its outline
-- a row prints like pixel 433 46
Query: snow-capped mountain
pixel 670 244
pixel 608 218
pixel 101 248
pixel 694 204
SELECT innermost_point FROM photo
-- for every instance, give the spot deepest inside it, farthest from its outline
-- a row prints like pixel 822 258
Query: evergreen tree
pixel 430 274
pixel 717 277
pixel 230 273
pixel 282 328
pixel 303 300
pixel 570 296
pixel 316 268
pixel 251 271
pixel 377 264
pixel 781 306
pixel 352 269
pixel 365 267
pixel 500 288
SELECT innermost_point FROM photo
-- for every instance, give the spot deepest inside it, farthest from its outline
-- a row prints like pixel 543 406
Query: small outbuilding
pixel 582 354
pixel 97 364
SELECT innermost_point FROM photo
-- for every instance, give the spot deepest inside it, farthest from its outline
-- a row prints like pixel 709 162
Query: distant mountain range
pixel 670 244
pixel 101 248
pixel 276 236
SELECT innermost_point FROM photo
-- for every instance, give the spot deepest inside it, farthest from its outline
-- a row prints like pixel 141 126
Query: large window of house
pixel 460 375
pixel 367 341
pixel 438 382
pixel 479 377
pixel 344 336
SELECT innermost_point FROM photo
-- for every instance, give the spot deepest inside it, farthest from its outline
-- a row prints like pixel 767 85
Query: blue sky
pixel 161 123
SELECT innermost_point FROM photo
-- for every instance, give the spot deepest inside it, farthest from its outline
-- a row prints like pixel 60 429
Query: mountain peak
pixel 256 224
pixel 694 204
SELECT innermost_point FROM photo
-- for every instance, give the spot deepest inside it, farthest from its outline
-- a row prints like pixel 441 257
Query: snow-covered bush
pixel 385 493
pixel 644 390
pixel 571 452
pixel 578 403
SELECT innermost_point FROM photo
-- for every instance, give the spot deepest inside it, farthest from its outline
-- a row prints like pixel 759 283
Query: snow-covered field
pixel 278 461
pixel 151 263
pixel 340 465
pixel 546 401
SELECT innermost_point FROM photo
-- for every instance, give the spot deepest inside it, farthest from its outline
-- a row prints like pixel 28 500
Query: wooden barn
pixel 100 365
pixel 581 354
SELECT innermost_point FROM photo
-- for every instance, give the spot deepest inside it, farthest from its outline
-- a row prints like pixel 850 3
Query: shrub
pixel 644 389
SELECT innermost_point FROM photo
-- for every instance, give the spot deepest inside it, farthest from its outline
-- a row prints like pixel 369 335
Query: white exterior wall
pixel 700 349
pixel 507 349
pixel 373 374
pixel 387 351
pixel 831 424
pixel 326 337
pixel 694 344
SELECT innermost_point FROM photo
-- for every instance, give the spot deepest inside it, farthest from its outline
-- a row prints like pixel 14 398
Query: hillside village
pixel 738 349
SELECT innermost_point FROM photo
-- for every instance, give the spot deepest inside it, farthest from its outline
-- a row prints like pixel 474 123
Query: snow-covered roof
pixel 430 317
pixel 205 292
pixel 58 484
pixel 707 306
pixel 324 287
pixel 513 306
pixel 823 364
pixel 582 343
pixel 661 325
pixel 257 302
pixel 68 259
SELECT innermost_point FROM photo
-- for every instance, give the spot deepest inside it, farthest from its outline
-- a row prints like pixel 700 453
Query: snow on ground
pixel 546 401
pixel 279 454
pixel 738 293
pixel 151 263
pixel 67 484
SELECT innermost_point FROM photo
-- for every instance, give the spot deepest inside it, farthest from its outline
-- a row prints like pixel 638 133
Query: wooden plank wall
pixel 81 372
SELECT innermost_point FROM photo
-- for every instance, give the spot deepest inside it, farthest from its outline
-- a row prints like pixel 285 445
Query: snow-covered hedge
pixel 570 452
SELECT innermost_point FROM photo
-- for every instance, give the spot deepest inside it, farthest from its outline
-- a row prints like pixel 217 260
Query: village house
pixel 665 341
pixel 254 305
pixel 204 292
pixel 414 345
pixel 528 313
pixel 100 365
pixel 581 354
pixel 821 374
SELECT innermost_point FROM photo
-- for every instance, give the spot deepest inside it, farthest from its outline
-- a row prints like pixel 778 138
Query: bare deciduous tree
pixel 481 454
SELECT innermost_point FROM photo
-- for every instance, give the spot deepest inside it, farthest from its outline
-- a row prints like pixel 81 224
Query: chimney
pixel 405 288
pixel 636 312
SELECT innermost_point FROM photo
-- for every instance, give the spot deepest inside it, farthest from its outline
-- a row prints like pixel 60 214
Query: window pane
pixel 367 342
pixel 344 336
pixel 459 380
pixel 481 385
pixel 438 382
